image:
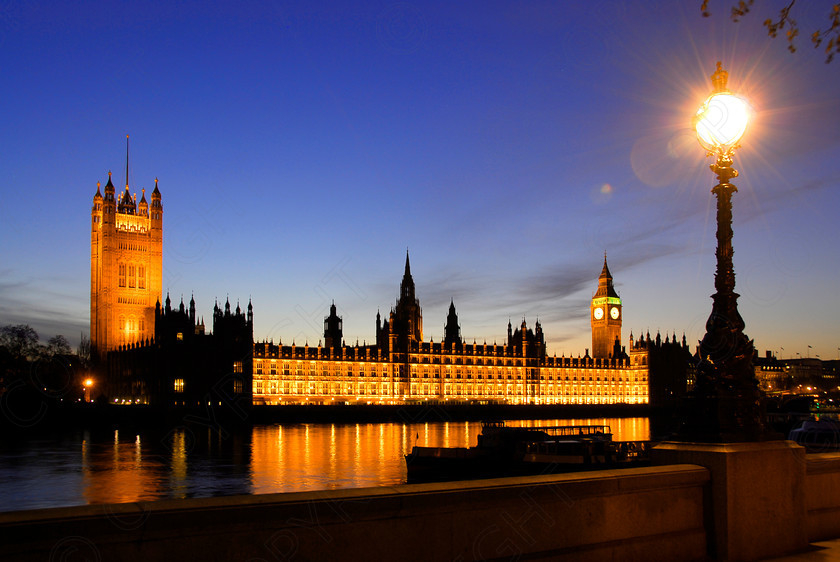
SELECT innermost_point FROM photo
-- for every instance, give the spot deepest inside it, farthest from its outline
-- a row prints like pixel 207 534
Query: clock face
pixel 614 313
pixel 598 313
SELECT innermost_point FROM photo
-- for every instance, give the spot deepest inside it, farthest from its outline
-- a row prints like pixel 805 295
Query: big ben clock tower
pixel 605 315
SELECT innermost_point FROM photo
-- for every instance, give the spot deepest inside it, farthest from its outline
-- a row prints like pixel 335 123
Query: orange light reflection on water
pixel 120 474
pixel 320 456
pixel 186 462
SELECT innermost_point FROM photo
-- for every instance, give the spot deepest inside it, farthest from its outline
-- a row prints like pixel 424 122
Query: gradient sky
pixel 301 148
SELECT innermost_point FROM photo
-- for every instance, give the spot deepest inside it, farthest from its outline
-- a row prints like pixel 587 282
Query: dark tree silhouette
pixel 83 351
pixel 785 23
pixel 20 341
pixel 58 345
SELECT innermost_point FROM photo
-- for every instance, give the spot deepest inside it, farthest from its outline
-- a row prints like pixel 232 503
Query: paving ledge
pixel 651 513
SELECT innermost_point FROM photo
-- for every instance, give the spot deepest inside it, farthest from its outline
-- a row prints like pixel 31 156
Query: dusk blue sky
pixel 301 148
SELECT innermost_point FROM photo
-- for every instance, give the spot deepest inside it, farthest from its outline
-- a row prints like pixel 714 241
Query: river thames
pixel 77 467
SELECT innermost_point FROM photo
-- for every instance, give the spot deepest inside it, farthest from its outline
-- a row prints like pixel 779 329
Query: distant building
pixel 126 244
pixel 806 375
pixel 671 367
pixel 771 373
pixel 185 366
pixel 796 376
pixel 402 368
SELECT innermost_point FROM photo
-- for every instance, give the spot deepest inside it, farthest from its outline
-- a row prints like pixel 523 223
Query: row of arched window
pixel 132 275
pixel 132 329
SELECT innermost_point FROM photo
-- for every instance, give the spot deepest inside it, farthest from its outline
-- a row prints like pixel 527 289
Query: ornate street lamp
pixel 726 405
pixel 87 386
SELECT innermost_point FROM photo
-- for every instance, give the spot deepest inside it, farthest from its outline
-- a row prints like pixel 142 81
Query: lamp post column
pixel 756 508
pixel 726 405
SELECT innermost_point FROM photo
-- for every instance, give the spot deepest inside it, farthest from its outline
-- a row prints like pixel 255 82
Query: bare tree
pixel 83 351
pixel 785 23
pixel 58 345
pixel 21 341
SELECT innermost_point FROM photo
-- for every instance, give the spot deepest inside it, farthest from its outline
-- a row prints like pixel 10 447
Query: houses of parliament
pixel 155 353
pixel 402 367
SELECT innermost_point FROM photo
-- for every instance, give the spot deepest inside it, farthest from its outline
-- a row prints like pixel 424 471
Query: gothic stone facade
pixel 182 365
pixel 402 368
pixel 126 243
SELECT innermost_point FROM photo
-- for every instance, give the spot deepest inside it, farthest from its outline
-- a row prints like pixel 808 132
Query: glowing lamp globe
pixel 721 121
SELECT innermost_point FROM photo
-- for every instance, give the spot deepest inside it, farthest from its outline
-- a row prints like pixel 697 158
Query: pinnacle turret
pixel 605 282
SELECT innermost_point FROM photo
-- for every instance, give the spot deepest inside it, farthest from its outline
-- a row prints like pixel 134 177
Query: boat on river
pixel 817 435
pixel 517 451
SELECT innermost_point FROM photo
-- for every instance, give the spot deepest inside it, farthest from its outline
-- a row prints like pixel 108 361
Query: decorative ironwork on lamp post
pixel 726 404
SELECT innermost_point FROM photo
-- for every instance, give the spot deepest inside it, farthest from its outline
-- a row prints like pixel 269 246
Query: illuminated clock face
pixel 614 313
pixel 598 313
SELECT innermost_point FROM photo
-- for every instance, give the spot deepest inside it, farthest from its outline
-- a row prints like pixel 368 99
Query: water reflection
pixel 127 466
pixel 118 471
pixel 359 455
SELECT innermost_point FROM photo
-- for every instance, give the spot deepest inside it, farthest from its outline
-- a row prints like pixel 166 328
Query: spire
pixel 126 204
pixel 407 285
pixel 605 282
pixel 605 272
pixel 333 334
pixel 451 330
pixel 109 189
pixel 126 162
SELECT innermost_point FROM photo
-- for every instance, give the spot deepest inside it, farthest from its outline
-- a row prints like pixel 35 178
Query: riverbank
pixel 106 415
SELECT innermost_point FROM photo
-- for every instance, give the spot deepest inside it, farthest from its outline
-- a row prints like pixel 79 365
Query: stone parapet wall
pixel 651 513
pixel 822 495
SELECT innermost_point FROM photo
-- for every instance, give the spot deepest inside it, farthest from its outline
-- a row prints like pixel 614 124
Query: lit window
pixel 131 276
pixel 122 275
pixel 179 385
pixel 237 386
pixel 141 276
pixel 237 366
pixel 179 336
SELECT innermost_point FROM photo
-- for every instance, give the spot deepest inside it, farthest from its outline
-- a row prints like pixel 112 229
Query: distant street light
pixel 726 402
pixel 88 385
